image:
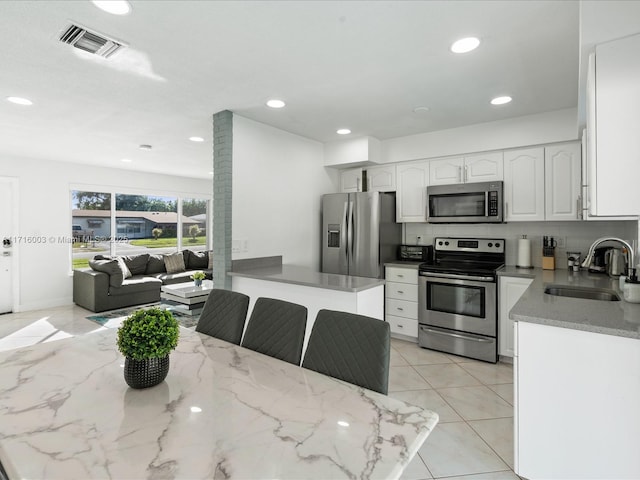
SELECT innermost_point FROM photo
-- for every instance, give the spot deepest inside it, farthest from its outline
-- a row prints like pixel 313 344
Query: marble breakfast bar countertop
pixel 223 412
pixel 618 318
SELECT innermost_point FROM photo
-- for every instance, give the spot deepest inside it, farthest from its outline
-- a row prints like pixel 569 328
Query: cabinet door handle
pixel 466 174
pixel 400 308
pixel 358 185
pixel 401 292
pixel 400 276
pixel 399 326
pixel 460 178
pixel 579 209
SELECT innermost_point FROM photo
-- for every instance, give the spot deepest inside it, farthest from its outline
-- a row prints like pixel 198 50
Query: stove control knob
pixel 440 243
pixel 446 243
pixel 497 245
pixel 491 244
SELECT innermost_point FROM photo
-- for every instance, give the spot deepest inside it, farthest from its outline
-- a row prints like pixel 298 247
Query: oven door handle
pixel 465 336
pixel 455 276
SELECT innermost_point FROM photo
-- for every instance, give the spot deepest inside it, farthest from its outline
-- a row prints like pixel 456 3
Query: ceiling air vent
pixel 91 42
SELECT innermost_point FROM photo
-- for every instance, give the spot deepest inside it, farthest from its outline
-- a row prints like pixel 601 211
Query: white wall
pixel 43 269
pixel 550 127
pixel 278 180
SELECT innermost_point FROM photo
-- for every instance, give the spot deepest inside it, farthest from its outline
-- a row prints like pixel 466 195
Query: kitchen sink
pixel 589 293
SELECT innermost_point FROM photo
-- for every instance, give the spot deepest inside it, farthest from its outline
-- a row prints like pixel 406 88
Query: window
pixel 143 223
pixel 91 226
pixel 146 222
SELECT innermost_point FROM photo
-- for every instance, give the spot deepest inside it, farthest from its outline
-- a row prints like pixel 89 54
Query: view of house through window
pixel 143 223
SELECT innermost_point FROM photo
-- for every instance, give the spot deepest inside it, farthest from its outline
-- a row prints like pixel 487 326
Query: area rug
pixel 114 318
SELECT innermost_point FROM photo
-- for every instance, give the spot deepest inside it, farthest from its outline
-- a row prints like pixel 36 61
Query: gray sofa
pixel 116 282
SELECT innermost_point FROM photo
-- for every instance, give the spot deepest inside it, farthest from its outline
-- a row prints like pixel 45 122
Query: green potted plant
pixel 198 277
pixel 145 339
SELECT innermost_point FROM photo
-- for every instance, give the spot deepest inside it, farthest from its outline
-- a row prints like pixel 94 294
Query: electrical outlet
pixel 560 241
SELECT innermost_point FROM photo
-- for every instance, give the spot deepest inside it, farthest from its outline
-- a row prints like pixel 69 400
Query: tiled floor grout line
pixel 463 420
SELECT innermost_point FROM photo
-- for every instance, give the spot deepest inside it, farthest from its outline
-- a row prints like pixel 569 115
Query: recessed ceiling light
pixel 20 100
pixel 126 160
pixel 274 103
pixel 465 45
pixel 420 109
pixel 144 146
pixel 343 131
pixel 116 7
pixel 196 139
pixel 501 100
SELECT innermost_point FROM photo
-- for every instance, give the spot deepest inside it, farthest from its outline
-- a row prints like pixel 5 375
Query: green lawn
pixel 166 242
pixel 80 263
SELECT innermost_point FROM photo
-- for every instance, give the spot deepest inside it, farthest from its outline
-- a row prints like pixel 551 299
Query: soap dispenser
pixel 631 289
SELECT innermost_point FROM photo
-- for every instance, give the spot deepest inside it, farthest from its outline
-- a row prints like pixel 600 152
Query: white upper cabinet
pixel 562 167
pixel 411 197
pixel 483 167
pixel 351 180
pixel 613 124
pixel 524 184
pixel 381 179
pixel 478 167
pixel 444 171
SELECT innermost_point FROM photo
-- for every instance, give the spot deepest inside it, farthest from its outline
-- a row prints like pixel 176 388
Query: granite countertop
pixel 308 277
pixel 620 319
pixel 223 412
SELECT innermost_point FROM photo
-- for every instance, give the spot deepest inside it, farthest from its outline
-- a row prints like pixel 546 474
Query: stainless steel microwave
pixel 466 203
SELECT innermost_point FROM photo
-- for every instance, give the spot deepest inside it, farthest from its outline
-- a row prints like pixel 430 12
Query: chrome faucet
pixel 630 255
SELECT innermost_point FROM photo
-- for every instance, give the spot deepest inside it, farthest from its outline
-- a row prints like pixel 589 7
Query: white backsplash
pixel 576 236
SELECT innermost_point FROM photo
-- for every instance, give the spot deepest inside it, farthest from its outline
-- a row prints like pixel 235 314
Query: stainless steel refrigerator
pixel 359 233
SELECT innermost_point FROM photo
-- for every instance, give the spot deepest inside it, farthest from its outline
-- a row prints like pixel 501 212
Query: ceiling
pixel 362 65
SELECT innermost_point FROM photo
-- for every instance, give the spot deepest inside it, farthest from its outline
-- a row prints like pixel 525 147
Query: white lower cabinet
pixel 510 291
pixel 576 404
pixel 401 301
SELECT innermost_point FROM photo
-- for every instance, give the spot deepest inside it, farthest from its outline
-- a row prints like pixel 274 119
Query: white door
pixel 381 179
pixel 411 197
pixel 483 167
pixel 6 249
pixel 524 185
pixel 351 180
pixel 562 166
pixel 445 171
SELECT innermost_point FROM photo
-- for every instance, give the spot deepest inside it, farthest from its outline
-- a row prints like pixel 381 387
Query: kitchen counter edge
pixel 621 319
pixel 308 277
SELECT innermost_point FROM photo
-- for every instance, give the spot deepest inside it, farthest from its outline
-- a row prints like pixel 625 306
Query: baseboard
pixel 27 307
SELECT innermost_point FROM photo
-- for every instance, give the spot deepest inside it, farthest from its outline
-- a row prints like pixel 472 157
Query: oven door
pixel 458 302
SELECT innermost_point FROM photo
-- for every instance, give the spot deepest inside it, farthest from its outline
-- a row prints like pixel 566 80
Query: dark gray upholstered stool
pixel 351 347
pixel 223 315
pixel 276 328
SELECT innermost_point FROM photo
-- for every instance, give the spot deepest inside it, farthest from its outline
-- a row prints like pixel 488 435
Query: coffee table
pixel 186 298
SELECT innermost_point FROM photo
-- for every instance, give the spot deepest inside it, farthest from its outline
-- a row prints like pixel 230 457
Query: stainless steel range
pixel 458 299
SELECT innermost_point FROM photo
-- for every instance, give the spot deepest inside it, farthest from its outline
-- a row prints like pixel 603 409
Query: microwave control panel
pixel 493 203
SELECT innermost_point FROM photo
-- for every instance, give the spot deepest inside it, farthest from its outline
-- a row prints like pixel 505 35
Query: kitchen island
pixel 577 380
pixel 305 286
pixel 223 412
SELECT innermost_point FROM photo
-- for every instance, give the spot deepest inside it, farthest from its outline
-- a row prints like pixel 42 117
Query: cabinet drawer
pixel 401 308
pixel 402 291
pixel 402 275
pixel 404 326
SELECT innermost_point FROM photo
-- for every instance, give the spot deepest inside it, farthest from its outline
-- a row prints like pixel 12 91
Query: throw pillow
pixel 110 267
pixel 197 260
pixel 137 264
pixel 155 264
pixel 174 262
pixel 123 266
pixel 210 265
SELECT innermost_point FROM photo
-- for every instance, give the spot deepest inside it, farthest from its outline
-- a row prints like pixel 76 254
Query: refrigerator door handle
pixel 350 227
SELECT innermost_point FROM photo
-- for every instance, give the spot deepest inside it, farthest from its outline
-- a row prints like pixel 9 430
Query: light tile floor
pixel 474 438
pixel 472 441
